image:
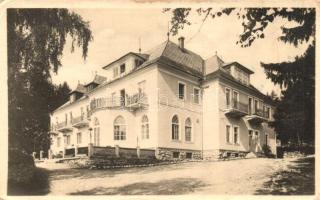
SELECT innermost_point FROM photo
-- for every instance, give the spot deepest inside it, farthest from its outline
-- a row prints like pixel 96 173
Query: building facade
pixel 170 100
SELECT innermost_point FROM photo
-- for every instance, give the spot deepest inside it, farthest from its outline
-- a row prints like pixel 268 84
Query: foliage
pixel 294 116
pixel 36 39
pixel 21 166
pixel 266 150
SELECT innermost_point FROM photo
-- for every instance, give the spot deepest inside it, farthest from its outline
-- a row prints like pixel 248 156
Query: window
pixel 122 97
pixel 256 134
pixel 138 62
pixel 79 138
pixel 175 128
pixel 196 95
pixel 188 129
pixel 182 91
pixel 119 128
pixel 122 68
pixel 236 135
pixel 68 139
pixel 235 99
pixel 228 134
pixel 96 132
pixel 250 137
pixel 250 105
pixel 115 72
pixel 144 127
pixel 268 112
pixel 58 141
pixel 228 96
pixel 71 118
pixel 73 98
pixel 188 155
pixel 256 105
pixel 176 154
pixel 66 118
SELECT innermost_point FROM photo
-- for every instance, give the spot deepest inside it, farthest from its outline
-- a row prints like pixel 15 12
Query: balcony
pixel 53 130
pixel 136 101
pixel 236 109
pixel 129 102
pixel 258 116
pixel 63 127
pixel 80 122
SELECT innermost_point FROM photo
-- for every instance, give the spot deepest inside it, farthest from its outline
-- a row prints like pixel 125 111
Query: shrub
pixel 266 150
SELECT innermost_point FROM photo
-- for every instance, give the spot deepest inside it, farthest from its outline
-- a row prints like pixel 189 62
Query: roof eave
pixel 130 53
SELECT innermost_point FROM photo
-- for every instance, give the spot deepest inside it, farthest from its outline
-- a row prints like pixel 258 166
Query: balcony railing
pixel 63 127
pixel 76 120
pixel 79 121
pixel 136 100
pixel 237 109
pixel 119 102
pixel 261 113
pixel 259 116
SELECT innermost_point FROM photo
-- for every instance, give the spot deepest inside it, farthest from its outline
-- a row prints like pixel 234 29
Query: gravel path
pixel 233 177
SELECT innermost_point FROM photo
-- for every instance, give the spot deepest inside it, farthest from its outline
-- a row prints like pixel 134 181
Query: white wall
pixel 170 105
pixel 211 118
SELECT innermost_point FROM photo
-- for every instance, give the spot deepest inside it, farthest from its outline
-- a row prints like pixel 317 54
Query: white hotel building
pixel 170 100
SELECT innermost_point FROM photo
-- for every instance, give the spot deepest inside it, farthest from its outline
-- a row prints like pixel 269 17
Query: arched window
pixel 175 128
pixel 119 128
pixel 145 127
pixel 96 132
pixel 188 129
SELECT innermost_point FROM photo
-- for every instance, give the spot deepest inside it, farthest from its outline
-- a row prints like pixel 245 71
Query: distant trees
pixel 295 114
pixel 36 39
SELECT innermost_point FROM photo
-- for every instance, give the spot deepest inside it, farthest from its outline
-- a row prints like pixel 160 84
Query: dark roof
pixel 142 56
pixel 97 80
pixel 80 88
pixel 170 52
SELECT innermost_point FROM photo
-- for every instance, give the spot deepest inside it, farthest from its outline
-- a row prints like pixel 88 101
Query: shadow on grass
pixel 62 174
pixel 298 179
pixel 176 186
pixel 38 185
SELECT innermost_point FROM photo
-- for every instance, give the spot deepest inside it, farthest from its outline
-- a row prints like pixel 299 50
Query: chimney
pixel 181 42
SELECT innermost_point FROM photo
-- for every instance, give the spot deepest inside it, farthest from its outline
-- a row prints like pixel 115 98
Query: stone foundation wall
pixel 177 154
pixel 216 154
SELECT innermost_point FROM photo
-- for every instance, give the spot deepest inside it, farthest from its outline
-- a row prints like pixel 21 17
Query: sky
pixel 117 32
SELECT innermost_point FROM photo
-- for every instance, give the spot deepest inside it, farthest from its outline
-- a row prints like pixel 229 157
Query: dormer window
pixel 122 68
pixel 138 62
pixel 73 97
pixel 241 76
